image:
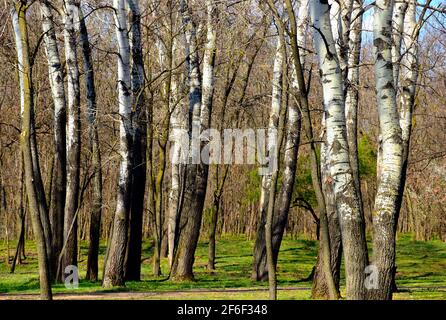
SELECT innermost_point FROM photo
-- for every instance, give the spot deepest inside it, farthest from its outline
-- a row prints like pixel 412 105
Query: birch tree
pixel 260 265
pixel 178 124
pixel 56 77
pixel 200 109
pixel 71 23
pixel 347 202
pixel 410 67
pixel 348 21
pixel 292 136
pixel 320 288
pixel 354 39
pixel 20 28
pixel 389 179
pixel 114 263
pixel 95 150
pixel 395 127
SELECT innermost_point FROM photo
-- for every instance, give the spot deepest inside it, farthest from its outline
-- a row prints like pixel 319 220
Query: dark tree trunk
pixel 133 258
pixel 96 210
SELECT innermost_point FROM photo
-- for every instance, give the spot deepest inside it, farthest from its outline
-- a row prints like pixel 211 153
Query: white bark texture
pixel 352 91
pixel 178 124
pixel 58 94
pixel 196 174
pixel 274 115
pixel 71 24
pixel 114 267
pixel 351 221
pixel 385 210
pixel 397 31
pixel 409 73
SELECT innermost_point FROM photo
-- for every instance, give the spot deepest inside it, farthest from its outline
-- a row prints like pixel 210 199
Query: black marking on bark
pixel 388 85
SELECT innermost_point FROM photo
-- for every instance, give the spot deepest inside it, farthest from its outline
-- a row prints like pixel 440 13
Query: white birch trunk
pixel 191 213
pixel 397 31
pixel 409 73
pixel 58 94
pixel 71 24
pixel 351 221
pixel 114 267
pixel 352 91
pixel 302 22
pixel 274 115
pixel 385 210
pixel 178 125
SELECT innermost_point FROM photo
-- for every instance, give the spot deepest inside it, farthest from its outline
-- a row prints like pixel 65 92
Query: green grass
pixel 421 273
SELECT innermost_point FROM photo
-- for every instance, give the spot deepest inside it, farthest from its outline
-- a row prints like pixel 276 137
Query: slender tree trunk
pixel 389 180
pixel 19 22
pixel 55 70
pixel 133 259
pixel 22 217
pixel 315 170
pixel 114 264
pixel 178 124
pixel 320 288
pixel 409 78
pixel 92 111
pixel 260 271
pixel 290 162
pixel 200 100
pixel 398 19
pixel 71 21
pixel 346 197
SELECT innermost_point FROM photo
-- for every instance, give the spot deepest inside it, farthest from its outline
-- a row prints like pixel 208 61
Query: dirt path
pixel 179 294
pixel 136 295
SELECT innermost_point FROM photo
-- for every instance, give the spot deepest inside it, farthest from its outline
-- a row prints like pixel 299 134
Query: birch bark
pixel 114 264
pixel 347 202
pixel 71 22
pixel 178 124
pixel 385 209
pixel 191 213
pixel 200 102
pixel 58 192
pixel 260 271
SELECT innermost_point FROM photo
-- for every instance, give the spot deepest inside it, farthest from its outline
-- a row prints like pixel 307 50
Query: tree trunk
pixel 389 179
pixel 58 191
pixel 320 288
pixel 71 21
pixel 92 111
pixel 346 197
pixel 260 271
pixel 178 124
pixel 19 22
pixel 290 160
pixel 133 258
pixel 315 170
pixel 114 264
pixel 200 100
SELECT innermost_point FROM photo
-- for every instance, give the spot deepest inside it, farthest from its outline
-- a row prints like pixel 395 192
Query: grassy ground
pixel 421 274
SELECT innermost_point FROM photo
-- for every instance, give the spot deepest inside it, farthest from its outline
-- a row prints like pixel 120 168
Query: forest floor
pixel 421 273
